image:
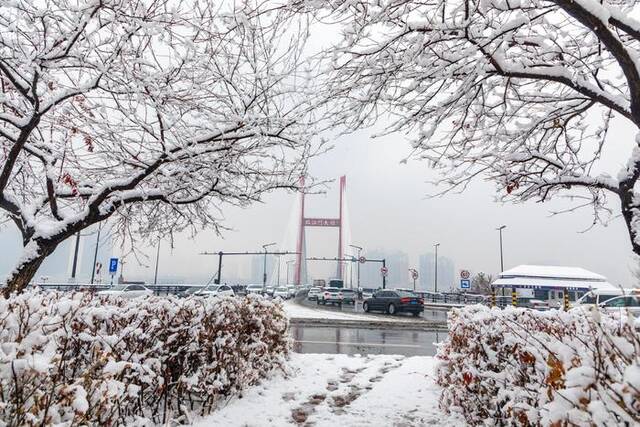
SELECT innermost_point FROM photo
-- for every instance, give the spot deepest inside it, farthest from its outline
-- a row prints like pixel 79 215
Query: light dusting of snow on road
pixel 340 390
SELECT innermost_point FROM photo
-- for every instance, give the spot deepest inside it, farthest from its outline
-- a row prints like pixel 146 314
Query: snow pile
pixel 81 359
pixel 541 368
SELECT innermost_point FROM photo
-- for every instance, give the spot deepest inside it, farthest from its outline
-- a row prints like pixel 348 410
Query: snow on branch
pixel 159 103
pixel 520 92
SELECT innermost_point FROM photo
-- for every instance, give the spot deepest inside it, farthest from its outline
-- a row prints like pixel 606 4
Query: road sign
pixel 414 274
pixel 362 260
pixel 465 284
pixel 113 265
pixel 384 271
pixel 464 274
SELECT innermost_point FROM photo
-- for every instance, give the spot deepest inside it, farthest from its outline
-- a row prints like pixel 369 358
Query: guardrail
pixel 158 289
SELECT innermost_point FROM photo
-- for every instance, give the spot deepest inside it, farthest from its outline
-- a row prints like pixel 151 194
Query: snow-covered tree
pixel 154 113
pixel 520 91
pixel 481 283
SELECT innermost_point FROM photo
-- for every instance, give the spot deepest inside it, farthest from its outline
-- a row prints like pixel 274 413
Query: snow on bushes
pixel 81 359
pixel 527 368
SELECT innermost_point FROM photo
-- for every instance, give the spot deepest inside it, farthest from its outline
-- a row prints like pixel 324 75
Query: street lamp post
pixel 359 249
pixel 264 268
pixel 279 262
pixel 288 264
pixel 502 227
pixel 155 276
pixel 435 279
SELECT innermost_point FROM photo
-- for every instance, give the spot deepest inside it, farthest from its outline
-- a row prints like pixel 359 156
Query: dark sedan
pixel 393 302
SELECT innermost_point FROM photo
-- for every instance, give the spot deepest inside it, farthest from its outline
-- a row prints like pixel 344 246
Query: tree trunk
pixel 631 215
pixel 20 278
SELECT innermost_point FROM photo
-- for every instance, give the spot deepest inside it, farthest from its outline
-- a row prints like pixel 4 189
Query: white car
pixel 313 294
pixel 216 290
pixel 281 292
pixel 254 289
pixel 127 291
pixel 600 296
pixel 623 304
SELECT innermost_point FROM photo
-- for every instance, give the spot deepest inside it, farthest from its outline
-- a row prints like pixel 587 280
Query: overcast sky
pixel 389 209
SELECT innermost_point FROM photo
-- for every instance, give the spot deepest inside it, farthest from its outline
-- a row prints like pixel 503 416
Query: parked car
pixel 269 291
pixel 282 292
pixel 330 296
pixel 239 289
pixel 128 291
pixel 293 290
pixel 349 296
pixel 624 304
pixel 599 296
pixel 254 289
pixel 368 292
pixel 393 302
pixel 216 290
pixel 313 294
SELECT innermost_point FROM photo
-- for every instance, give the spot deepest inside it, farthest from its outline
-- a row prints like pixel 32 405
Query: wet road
pixel 440 315
pixel 348 340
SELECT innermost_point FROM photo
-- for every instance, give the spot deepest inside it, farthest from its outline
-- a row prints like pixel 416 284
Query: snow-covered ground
pixel 340 390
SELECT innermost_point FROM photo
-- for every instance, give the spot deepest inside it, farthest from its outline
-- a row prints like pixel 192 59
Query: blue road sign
pixel 113 265
pixel 465 284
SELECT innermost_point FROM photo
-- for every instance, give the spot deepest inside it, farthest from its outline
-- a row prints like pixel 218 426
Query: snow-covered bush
pixel 527 368
pixel 83 359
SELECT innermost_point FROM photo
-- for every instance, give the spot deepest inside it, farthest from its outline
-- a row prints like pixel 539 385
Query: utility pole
pixel 359 249
pixel 436 269
pixel 155 276
pixel 264 268
pixel 95 254
pixel 75 257
pixel 502 227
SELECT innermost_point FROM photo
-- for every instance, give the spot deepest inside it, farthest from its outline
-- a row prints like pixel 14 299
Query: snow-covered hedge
pixel 82 359
pixel 525 367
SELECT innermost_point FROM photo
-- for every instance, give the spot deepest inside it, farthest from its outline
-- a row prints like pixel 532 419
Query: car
pixel 368 292
pixel 239 289
pixel 596 297
pixel 215 290
pixel 127 291
pixel 281 292
pixel 253 289
pixel 269 291
pixel 624 304
pixel 393 302
pixel 313 294
pixel 293 290
pixel 330 296
pixel 190 291
pixel 349 296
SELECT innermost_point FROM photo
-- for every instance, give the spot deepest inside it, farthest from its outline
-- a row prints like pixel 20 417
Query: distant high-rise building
pixel 397 263
pixel 446 272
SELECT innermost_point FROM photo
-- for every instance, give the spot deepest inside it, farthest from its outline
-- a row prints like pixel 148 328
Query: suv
pixel 349 296
pixel 313 294
pixel 330 295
